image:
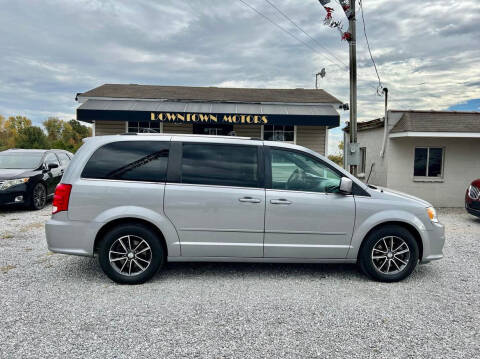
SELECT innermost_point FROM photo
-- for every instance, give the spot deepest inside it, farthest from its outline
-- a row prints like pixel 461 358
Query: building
pixel 433 155
pixel 299 116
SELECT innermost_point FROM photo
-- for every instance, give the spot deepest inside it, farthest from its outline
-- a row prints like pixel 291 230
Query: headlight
pixel 9 183
pixel 432 214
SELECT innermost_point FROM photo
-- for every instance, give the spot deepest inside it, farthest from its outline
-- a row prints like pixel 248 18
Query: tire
pixel 38 197
pixel 380 262
pixel 143 257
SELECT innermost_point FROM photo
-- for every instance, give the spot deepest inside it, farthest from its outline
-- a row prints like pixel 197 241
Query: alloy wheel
pixel 390 255
pixel 130 255
pixel 39 196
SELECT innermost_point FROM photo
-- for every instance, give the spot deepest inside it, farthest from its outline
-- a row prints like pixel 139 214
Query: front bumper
pixel 433 242
pixel 472 206
pixel 7 197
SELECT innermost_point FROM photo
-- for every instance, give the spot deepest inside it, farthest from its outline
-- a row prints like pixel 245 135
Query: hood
pixel 7 173
pixel 400 195
pixel 476 183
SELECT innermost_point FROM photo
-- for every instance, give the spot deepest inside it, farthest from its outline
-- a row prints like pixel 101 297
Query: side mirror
pixel 346 185
pixel 52 165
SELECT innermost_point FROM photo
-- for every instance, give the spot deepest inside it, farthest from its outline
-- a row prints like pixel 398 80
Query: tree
pixel 13 126
pixel 66 135
pixel 31 137
pixel 54 127
pixel 3 134
pixel 338 158
pixel 82 130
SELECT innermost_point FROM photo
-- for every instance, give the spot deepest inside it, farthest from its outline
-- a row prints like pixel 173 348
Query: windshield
pixel 20 160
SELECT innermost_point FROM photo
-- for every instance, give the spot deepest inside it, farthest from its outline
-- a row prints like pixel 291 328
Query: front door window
pixel 297 172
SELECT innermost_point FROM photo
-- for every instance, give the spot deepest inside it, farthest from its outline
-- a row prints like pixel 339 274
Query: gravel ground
pixel 57 306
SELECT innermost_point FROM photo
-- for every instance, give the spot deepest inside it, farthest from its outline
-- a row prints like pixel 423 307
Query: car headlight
pixel 9 183
pixel 432 214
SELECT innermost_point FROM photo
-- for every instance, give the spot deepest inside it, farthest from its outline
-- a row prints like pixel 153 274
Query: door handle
pixel 280 201
pixel 249 200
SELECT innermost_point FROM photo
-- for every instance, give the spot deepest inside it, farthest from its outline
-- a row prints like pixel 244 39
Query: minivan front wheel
pixel 130 254
pixel 389 254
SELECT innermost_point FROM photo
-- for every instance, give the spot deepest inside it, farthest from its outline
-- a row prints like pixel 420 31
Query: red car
pixel 472 198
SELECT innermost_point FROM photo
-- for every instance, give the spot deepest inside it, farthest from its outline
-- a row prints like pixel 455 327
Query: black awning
pixel 208 113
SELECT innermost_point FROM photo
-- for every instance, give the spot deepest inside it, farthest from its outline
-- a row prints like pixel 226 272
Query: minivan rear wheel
pixel 130 254
pixel 389 254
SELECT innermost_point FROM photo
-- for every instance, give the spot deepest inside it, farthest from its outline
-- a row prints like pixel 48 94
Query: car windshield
pixel 20 160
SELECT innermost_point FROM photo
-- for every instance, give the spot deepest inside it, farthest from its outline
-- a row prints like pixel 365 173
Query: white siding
pixel 109 128
pixel 177 128
pixel 461 166
pixel 312 137
pixel 248 130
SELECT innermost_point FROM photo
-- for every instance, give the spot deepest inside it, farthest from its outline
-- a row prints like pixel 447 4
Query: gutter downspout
pixel 385 123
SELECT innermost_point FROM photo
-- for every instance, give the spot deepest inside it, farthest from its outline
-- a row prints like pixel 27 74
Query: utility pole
pixel 353 147
pixel 348 6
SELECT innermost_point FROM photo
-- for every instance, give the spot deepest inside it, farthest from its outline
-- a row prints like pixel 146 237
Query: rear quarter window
pixel 129 161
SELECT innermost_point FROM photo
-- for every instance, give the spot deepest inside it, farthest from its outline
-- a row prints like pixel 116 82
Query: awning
pixel 208 112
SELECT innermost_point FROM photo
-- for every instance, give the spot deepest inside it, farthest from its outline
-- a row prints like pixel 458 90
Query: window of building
pixel 363 159
pixel 279 133
pixel 428 162
pixel 297 172
pixel 212 129
pixel 217 164
pixel 64 159
pixel 144 127
pixel 129 161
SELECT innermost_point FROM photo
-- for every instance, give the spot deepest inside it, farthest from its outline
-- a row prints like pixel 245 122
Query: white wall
pixel 461 166
pixel 372 140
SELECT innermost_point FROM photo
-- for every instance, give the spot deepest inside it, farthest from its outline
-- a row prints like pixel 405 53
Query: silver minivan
pixel 138 201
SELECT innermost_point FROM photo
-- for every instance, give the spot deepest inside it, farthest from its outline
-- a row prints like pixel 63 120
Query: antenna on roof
pixel 322 74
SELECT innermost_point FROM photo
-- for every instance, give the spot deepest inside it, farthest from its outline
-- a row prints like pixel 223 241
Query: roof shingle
pixel 215 94
pixel 438 121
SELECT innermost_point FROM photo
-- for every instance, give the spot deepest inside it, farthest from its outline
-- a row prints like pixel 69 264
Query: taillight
pixel 61 197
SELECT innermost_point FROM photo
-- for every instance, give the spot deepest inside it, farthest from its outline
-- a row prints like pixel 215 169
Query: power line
pixel 380 86
pixel 307 34
pixel 288 32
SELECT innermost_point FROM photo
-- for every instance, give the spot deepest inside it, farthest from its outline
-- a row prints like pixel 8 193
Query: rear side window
pixel 217 164
pixel 51 158
pixel 129 161
pixel 64 159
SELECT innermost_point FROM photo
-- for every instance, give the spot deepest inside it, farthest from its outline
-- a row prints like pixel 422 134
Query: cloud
pixel 51 50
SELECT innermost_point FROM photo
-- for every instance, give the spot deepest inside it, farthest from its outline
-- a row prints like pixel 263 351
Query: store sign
pixel 176 117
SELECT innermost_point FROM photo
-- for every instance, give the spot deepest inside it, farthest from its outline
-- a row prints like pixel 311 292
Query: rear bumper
pixel 433 243
pixel 71 237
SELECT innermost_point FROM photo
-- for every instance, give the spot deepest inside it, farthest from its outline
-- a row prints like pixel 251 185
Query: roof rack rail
pixel 190 135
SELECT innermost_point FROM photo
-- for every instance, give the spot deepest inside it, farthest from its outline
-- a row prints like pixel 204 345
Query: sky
pixel 427 52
